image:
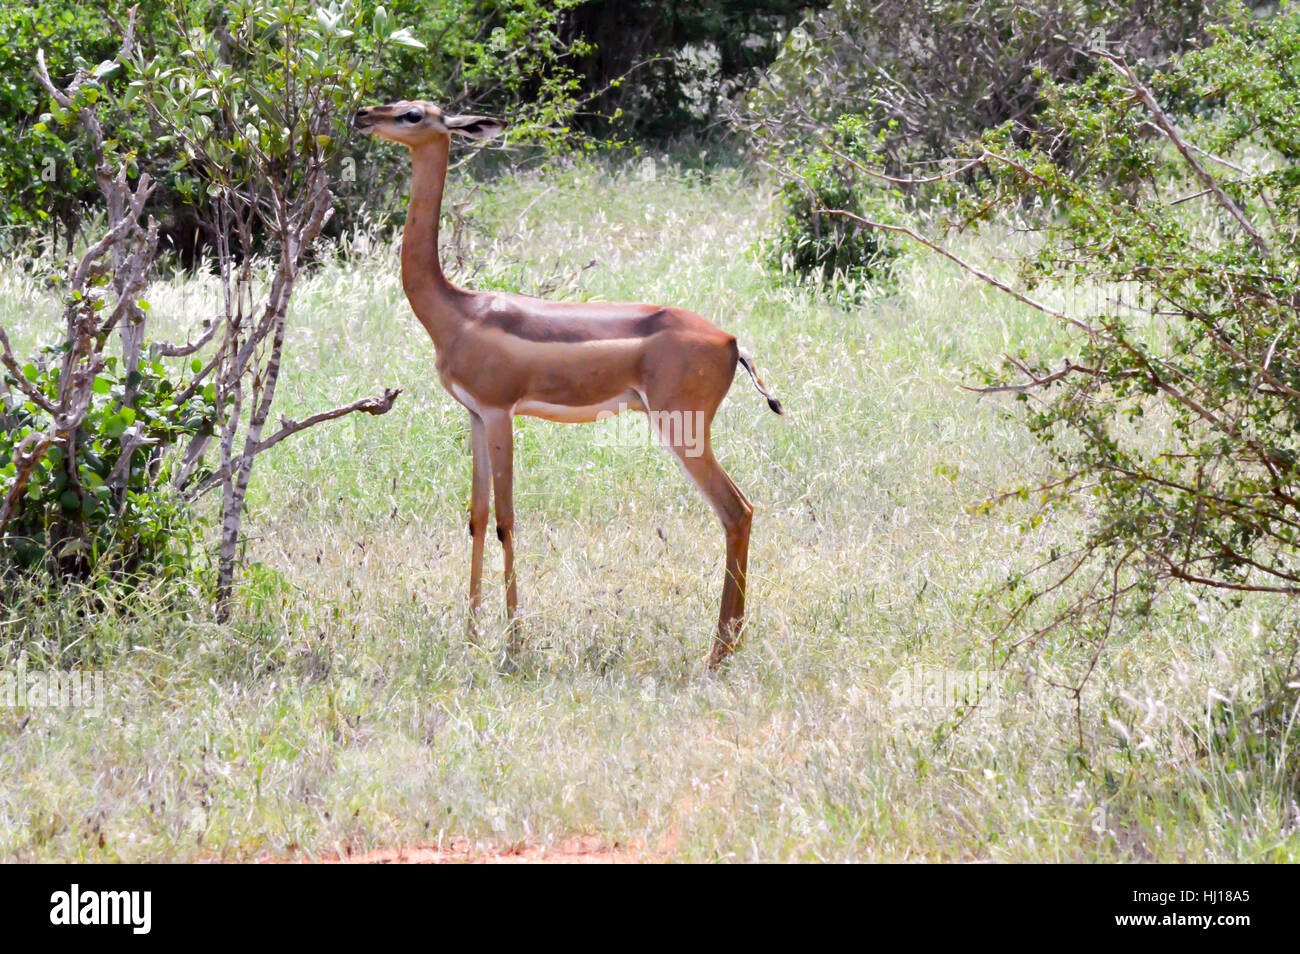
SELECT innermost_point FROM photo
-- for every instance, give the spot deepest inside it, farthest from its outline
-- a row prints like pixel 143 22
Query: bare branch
pixel 1037 382
pixel 1167 127
pixel 183 351
pixel 922 180
pixel 122 468
pixel 370 405
pixel 64 97
pixel 43 76
pixel 1180 573
pixel 29 389
pixel 967 266
pixel 1206 153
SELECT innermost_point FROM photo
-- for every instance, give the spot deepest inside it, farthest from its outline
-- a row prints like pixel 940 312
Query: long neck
pixel 431 296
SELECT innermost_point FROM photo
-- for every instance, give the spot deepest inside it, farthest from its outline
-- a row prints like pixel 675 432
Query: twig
pixel 181 351
pixel 874 174
pixel 974 270
pixel 1171 133
pixel 29 389
pixel 370 405
pixel 1037 382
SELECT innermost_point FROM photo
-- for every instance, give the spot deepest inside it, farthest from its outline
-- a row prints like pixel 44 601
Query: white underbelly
pixel 578 414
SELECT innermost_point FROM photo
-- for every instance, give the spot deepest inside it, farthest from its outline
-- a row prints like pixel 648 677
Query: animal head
pixel 414 122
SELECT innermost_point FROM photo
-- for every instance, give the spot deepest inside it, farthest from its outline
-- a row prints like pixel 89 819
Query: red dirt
pixel 573 851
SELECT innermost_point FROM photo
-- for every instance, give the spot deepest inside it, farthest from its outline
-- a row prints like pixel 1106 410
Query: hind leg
pixel 686 435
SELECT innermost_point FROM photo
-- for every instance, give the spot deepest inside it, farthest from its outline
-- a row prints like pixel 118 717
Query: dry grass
pixel 344 711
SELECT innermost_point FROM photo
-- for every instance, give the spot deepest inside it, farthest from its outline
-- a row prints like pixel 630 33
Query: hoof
pixel 516 640
pixel 721 652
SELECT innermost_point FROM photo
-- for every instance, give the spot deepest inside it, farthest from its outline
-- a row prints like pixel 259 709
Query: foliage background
pixel 340 708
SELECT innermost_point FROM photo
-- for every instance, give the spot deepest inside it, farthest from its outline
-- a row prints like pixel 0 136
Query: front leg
pixel 481 484
pixel 498 427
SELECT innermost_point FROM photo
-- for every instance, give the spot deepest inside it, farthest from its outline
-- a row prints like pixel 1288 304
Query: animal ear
pixel 475 127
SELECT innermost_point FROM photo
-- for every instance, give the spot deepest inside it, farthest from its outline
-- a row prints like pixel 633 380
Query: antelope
pixel 502 355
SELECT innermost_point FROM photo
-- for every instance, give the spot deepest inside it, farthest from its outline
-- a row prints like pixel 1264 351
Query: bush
pixel 929 75
pixel 1177 416
pixel 44 183
pixel 836 253
pixel 1172 428
pixel 501 56
pixel 100 502
pixel 83 435
pixel 659 69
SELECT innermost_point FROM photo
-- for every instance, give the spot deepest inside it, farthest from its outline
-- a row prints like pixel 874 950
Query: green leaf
pixel 105 69
pixel 403 37
pixel 114 426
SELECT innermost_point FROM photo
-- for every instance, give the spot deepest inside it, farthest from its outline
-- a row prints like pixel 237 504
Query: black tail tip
pixel 776 407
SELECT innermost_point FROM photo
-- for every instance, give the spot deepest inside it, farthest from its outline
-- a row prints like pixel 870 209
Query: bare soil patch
pixel 584 850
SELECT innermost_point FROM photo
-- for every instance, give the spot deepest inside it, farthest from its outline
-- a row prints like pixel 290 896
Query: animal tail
pixel 748 361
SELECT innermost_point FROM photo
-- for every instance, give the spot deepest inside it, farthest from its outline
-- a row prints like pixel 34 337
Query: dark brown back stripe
pixel 560 331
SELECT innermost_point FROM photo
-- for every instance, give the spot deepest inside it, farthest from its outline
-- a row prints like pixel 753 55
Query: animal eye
pixel 412 117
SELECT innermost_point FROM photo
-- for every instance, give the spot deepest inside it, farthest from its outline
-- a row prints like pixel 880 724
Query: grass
pixel 343 708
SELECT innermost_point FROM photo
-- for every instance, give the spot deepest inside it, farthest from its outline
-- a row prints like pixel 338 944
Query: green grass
pixel 343 708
